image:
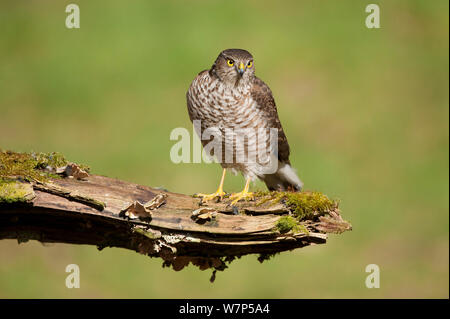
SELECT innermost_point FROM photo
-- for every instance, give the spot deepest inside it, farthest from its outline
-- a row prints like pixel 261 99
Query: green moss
pixel 12 191
pixel 53 160
pixel 286 224
pixel 263 197
pixel 31 166
pixel 304 205
pixel 18 165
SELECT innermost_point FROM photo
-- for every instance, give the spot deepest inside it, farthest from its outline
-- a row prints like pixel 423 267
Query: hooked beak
pixel 241 69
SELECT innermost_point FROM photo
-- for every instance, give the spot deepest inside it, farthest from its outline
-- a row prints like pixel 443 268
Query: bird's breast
pixel 216 103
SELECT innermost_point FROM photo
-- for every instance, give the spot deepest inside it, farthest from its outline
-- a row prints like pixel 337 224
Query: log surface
pixel 90 211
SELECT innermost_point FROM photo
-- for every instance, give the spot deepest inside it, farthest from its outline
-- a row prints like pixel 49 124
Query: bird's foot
pixel 245 195
pixel 209 197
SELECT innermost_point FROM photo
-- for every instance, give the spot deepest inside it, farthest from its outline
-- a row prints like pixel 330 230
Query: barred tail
pixel 285 179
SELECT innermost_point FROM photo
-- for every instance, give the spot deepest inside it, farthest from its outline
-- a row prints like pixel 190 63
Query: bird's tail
pixel 285 179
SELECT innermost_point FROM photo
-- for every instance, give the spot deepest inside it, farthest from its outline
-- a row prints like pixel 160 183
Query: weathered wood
pixel 90 212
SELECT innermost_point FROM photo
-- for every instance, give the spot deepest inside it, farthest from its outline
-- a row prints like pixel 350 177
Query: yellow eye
pixel 230 62
pixel 249 64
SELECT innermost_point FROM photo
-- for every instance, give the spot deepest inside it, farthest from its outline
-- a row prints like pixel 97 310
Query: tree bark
pixel 93 212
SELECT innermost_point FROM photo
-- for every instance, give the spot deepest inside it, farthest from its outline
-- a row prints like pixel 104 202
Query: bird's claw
pixel 242 195
pixel 209 197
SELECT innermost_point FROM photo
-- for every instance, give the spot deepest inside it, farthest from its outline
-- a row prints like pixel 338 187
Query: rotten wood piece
pixel 179 230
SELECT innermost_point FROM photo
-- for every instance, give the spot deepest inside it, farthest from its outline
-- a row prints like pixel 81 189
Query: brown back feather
pixel 262 94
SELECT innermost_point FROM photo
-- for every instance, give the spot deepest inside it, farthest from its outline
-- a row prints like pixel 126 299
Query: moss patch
pixel 286 224
pixel 18 168
pixel 12 191
pixel 31 166
pixel 53 160
pixel 304 205
pixel 307 205
pixel 28 166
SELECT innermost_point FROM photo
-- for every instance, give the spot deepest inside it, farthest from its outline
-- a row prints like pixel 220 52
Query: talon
pixel 218 194
pixel 242 195
pixel 245 194
pixel 210 197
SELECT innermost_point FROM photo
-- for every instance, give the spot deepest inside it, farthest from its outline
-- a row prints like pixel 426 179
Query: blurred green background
pixel 365 111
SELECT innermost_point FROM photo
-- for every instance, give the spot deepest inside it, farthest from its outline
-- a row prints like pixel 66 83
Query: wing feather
pixel 262 94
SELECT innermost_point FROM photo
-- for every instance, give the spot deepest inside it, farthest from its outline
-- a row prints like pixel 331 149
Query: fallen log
pixel 107 212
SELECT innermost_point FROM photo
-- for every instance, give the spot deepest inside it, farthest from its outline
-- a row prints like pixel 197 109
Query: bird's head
pixel 234 66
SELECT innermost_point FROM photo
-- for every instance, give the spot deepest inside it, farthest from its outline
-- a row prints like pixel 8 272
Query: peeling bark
pixel 92 211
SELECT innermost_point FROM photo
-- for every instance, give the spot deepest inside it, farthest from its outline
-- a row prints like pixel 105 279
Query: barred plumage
pixel 230 97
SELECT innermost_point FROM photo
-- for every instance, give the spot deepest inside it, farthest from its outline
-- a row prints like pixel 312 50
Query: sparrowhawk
pixel 230 100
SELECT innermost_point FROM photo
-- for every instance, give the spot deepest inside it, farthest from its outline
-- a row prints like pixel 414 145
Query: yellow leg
pixel 245 194
pixel 219 193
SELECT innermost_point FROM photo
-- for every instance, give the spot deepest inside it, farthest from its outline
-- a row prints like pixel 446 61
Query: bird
pixel 229 99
